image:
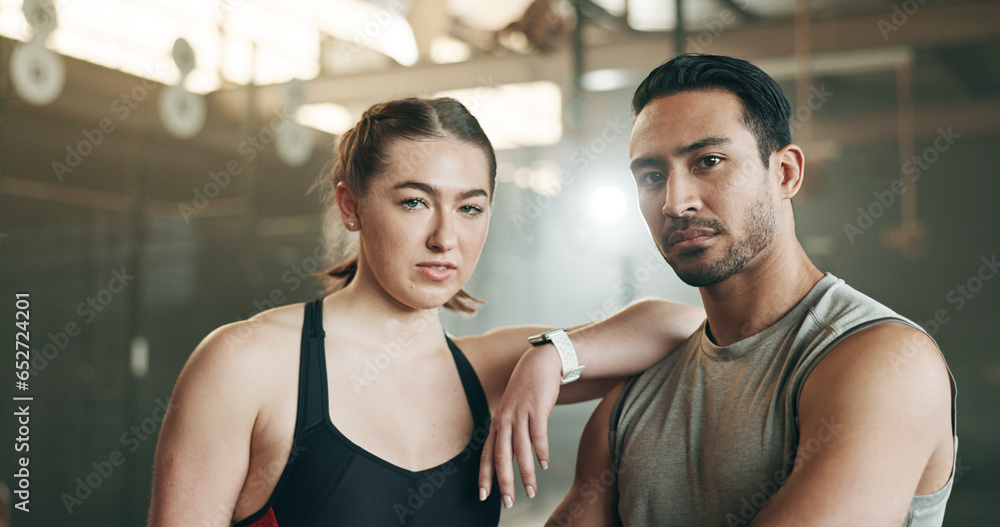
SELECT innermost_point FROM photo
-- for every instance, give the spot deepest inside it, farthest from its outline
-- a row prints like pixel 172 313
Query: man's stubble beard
pixel 759 227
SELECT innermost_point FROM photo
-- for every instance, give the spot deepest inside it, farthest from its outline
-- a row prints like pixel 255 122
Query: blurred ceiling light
pixel 522 177
pixel 545 178
pixel 446 50
pixel 265 41
pixel 651 15
pixel 610 79
pixel 325 117
pixel 241 41
pixel 515 115
pixel 366 25
pixel 270 42
pixel 490 15
pixel 542 177
pixel 505 172
pixel 615 7
pixel 607 203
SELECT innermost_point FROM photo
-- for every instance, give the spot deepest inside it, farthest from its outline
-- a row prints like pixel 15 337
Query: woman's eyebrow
pixel 434 191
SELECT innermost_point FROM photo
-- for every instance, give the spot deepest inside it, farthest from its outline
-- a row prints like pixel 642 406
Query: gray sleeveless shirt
pixel 708 434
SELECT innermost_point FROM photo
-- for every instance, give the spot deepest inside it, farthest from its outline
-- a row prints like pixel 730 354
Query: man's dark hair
pixel 765 109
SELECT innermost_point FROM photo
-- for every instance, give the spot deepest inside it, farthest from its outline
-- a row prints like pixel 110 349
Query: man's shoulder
pixel 842 308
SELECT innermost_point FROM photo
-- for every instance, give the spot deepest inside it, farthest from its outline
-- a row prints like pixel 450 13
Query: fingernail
pixel 544 464
pixel 482 494
pixel 530 491
pixel 507 502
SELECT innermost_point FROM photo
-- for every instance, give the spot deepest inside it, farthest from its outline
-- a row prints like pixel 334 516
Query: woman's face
pixel 423 223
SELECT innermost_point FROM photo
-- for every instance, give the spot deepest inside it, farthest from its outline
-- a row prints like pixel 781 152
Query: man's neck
pixel 760 294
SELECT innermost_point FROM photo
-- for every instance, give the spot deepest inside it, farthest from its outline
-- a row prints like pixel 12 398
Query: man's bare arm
pixel 592 500
pixel 875 420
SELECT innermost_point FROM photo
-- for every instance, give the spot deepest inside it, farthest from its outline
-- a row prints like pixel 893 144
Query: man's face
pixel 703 189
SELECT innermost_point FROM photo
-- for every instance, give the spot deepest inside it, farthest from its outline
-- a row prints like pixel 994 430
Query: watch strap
pixel 571 367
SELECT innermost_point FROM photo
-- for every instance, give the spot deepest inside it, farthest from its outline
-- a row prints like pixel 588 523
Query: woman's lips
pixel 436 271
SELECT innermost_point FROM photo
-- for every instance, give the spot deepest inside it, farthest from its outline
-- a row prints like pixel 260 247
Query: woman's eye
pixel 471 210
pixel 413 203
pixel 709 161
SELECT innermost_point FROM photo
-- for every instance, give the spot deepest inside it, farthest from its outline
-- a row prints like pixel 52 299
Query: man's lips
pixel 437 270
pixel 689 237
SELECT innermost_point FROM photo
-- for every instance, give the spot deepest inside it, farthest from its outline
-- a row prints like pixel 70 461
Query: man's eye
pixel 652 178
pixel 709 161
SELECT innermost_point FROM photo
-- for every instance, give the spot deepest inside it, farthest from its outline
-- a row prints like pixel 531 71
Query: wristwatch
pixel 567 354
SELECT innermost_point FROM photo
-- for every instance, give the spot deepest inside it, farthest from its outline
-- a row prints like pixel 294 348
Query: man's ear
pixel 789 166
pixel 347 203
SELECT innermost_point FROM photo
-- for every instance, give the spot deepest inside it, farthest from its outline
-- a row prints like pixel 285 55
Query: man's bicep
pixel 868 425
pixel 592 500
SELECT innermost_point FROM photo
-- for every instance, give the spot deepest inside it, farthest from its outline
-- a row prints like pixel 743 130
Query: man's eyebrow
pixel 656 160
pixel 436 192
pixel 649 161
pixel 712 140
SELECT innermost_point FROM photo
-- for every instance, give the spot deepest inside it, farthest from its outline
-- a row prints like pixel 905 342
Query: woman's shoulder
pixel 242 351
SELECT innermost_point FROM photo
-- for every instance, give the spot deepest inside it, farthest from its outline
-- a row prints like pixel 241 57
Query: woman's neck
pixel 373 318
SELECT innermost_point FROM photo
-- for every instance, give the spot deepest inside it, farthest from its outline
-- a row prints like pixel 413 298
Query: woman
pixel 358 409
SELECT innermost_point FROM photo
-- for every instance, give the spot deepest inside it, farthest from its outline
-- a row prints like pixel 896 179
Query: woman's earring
pixel 350 224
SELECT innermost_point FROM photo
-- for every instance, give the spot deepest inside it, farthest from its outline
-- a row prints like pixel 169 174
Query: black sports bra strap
pixel 473 388
pixel 317 325
pixel 310 405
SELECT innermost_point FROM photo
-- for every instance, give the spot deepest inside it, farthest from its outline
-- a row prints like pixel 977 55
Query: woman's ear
pixel 790 164
pixel 347 203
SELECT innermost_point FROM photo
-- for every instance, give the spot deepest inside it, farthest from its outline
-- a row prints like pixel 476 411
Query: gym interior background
pixel 152 190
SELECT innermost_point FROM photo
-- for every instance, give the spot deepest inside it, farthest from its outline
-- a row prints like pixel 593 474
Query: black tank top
pixel 330 481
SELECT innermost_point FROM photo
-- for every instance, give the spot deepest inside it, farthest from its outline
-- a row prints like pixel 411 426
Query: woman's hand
pixel 520 422
pixel 611 349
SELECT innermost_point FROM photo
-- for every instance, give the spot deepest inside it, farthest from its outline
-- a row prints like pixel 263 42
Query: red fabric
pixel 267 520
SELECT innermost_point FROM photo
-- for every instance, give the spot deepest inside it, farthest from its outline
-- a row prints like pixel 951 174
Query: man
pixel 799 401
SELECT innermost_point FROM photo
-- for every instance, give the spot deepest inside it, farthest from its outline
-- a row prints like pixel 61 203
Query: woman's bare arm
pixel 203 450
pixel 621 345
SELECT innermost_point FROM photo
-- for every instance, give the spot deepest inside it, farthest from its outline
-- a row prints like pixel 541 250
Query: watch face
pixel 543 338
